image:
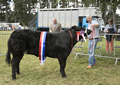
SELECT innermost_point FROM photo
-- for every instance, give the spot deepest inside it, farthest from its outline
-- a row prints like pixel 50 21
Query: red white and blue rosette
pixel 42 47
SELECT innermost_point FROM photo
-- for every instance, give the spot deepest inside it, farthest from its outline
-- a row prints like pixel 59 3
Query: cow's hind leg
pixel 18 69
pixel 14 67
pixel 15 64
pixel 62 62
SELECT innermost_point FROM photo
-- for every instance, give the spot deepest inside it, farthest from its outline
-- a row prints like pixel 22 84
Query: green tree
pixel 43 3
pixel 6 9
pixel 24 10
pixel 103 6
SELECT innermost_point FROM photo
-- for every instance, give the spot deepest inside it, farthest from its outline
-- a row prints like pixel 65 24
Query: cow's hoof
pixel 14 78
pixel 64 77
pixel 18 73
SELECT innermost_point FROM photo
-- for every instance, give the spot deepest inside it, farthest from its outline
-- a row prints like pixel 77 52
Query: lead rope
pixel 71 39
pixel 93 36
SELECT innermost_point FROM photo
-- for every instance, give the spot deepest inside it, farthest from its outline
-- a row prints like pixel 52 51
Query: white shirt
pixel 93 22
pixel 54 25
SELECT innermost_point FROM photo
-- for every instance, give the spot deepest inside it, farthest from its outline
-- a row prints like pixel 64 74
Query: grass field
pixel 105 73
pixel 3 41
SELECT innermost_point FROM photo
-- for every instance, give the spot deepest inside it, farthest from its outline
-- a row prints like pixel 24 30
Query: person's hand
pixel 93 25
pixel 106 30
pixel 85 37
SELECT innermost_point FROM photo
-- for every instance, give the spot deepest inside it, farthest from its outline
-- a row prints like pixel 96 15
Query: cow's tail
pixel 8 57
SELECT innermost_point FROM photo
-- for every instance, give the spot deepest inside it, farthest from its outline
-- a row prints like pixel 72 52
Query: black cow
pixel 58 45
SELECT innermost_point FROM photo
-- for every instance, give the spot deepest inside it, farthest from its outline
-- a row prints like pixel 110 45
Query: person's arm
pixel 115 30
pixel 95 24
pixel 106 29
pixel 50 29
pixel 60 28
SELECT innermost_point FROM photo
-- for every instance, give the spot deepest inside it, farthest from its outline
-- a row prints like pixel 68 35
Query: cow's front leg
pixel 62 63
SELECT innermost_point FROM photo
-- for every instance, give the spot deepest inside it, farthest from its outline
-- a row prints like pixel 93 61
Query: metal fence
pixel 77 50
pixel 100 50
pixel 3 43
pixel 32 23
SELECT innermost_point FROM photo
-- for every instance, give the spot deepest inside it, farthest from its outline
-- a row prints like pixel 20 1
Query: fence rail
pixel 32 23
pixel 78 48
pixel 3 43
pixel 101 52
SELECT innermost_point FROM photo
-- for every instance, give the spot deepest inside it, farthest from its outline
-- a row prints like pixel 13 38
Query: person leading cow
pixel 93 39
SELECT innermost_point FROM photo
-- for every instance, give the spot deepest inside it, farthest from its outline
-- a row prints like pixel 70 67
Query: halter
pixel 78 33
pixel 92 36
pixel 71 39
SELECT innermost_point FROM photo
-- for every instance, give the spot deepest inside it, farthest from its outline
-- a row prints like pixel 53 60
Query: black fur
pixel 58 45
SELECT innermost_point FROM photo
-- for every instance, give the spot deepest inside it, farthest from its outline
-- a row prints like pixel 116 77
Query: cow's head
pixel 77 28
pixel 80 31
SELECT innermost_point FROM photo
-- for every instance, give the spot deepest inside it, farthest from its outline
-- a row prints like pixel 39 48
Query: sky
pixel 118 11
pixel 12 5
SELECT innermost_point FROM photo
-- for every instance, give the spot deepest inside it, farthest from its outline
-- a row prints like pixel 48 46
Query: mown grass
pixel 3 41
pixel 105 73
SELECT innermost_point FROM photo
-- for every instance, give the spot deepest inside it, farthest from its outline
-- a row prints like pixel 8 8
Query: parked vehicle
pixel 67 17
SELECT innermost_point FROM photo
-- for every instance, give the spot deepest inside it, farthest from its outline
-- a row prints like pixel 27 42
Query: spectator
pixel 13 28
pixel 19 27
pixel 110 29
pixel 0 27
pixel 55 26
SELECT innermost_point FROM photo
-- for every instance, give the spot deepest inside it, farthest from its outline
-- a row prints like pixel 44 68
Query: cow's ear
pixel 74 27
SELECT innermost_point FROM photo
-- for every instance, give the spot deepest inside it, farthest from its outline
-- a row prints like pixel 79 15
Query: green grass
pixel 6 31
pixel 105 73
pixel 3 41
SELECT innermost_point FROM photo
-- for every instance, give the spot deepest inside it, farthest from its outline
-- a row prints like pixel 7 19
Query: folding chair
pixel 116 45
pixel 100 45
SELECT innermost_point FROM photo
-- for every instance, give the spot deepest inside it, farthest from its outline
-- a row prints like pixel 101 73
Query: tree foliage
pixel 4 3
pixel 104 6
pixel 23 11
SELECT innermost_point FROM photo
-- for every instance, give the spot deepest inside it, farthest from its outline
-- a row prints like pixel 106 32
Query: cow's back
pixel 24 40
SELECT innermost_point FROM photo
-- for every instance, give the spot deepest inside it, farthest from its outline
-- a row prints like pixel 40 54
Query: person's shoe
pixel 89 67
pixel 106 53
pixel 95 64
pixel 111 53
